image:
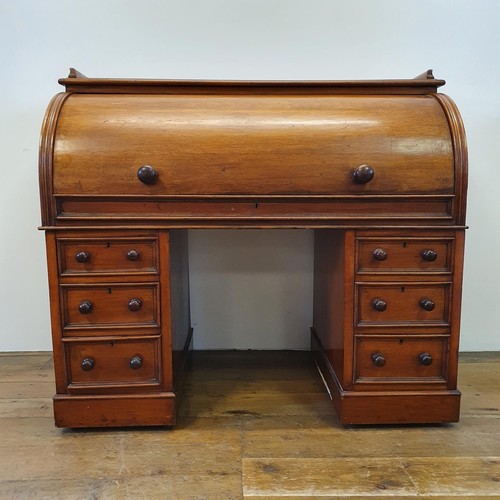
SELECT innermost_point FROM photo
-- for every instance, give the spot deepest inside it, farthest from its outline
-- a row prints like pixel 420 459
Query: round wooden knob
pixel 427 304
pixel 363 174
pixel 82 257
pixel 429 255
pixel 379 254
pixel 379 305
pixel 87 364
pixel 147 174
pixel 136 362
pixel 378 359
pixel 85 307
pixel 425 358
pixel 134 304
pixel 133 254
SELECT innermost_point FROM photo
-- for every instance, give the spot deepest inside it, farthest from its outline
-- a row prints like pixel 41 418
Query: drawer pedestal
pixel 121 331
pixel 385 337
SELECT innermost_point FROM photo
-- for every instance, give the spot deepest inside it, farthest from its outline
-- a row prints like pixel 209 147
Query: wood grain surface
pixel 255 438
pixel 252 145
pixel 158 155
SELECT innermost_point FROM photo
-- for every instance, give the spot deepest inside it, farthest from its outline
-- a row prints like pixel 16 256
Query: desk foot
pixel 115 410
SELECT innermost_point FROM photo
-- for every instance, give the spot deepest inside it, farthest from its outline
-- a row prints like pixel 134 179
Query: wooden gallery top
pixel 377 168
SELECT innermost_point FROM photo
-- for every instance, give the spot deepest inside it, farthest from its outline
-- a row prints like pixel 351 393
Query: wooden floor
pixel 251 424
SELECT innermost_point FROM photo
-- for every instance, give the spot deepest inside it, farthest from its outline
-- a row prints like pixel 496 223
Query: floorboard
pixel 251 424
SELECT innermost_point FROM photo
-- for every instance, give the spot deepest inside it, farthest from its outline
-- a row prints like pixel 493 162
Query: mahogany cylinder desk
pixel 378 169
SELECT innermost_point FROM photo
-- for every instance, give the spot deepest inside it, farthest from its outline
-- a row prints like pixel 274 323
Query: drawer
pixel 251 145
pixel 394 304
pixel 400 358
pixel 107 255
pixel 113 362
pixel 404 255
pixel 110 305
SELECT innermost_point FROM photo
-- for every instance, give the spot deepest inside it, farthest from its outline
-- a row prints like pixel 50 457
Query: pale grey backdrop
pixel 249 289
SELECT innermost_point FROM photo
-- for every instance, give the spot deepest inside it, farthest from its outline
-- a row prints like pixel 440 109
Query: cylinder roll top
pixel 230 153
pixel 247 145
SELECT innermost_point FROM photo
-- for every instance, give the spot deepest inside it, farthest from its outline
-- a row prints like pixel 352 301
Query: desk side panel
pixel 179 301
pixel 333 301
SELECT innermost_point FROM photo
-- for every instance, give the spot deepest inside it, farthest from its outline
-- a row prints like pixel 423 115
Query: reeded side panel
pixel 45 157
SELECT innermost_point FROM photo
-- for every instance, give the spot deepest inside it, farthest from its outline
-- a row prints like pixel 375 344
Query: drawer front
pixel 251 145
pixel 107 256
pixel 400 358
pixel 118 361
pixel 110 305
pixel 402 303
pixel 398 255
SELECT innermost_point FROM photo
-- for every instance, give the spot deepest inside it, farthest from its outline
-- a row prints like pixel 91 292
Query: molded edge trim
pixel 424 83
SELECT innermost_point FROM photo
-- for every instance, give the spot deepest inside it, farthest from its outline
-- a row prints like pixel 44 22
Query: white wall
pixel 266 290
